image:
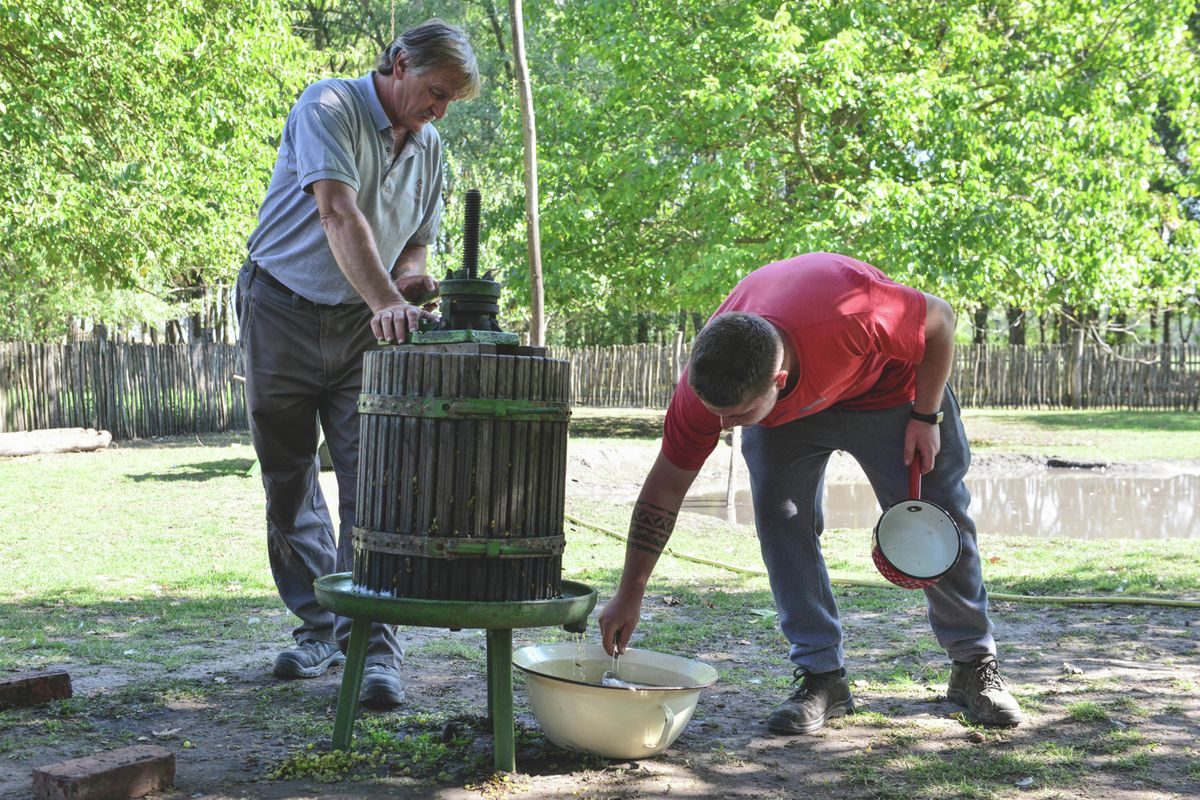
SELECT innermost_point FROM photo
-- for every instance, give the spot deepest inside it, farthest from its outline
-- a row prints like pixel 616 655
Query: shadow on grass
pixel 617 426
pixel 202 471
pixel 1171 421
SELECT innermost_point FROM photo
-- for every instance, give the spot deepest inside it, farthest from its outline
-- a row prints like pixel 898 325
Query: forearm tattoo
pixel 651 527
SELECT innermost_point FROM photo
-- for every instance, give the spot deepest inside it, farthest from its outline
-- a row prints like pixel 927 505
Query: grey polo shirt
pixel 338 130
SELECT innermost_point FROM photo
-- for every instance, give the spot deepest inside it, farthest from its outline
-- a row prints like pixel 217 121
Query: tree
pixel 136 142
pixel 1001 154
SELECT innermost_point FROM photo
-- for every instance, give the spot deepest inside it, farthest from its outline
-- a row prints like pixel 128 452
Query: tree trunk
pixel 981 324
pixel 498 31
pixel 1064 325
pixel 1016 326
pixel 537 326
pixel 643 327
pixel 1120 328
pixel 53 440
pixel 1077 367
pixel 1185 336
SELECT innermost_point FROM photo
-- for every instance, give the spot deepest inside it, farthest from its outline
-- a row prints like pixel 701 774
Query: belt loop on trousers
pixel 253 271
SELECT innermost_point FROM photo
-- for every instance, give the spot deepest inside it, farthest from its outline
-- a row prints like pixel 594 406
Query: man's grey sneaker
pixel 308 659
pixel 821 696
pixel 979 686
pixel 381 687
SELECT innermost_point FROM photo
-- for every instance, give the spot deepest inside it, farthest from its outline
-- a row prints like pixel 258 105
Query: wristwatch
pixel 932 419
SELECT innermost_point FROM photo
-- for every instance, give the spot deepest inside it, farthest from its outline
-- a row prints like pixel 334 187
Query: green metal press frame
pixel 498 618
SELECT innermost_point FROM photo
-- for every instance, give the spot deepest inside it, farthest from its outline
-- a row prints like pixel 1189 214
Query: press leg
pixel 347 707
pixel 500 698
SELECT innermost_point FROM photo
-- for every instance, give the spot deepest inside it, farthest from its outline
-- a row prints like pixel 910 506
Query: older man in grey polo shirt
pixel 338 254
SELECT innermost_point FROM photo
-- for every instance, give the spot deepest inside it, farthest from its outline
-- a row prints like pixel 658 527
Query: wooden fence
pixel 131 390
pixel 137 391
pixel 1047 376
pixel 624 376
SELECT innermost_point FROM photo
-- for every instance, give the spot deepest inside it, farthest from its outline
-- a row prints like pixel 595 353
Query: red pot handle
pixel 914 477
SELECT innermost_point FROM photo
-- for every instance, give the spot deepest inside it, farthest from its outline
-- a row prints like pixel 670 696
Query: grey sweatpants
pixel 787 476
pixel 304 369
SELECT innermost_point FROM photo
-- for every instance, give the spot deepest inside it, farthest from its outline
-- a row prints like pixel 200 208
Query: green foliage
pixel 1005 153
pixel 1029 155
pixel 137 139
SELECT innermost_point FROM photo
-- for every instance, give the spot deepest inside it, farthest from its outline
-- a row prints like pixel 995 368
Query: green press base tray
pixel 337 593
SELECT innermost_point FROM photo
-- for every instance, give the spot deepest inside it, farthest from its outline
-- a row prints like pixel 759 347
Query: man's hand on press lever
pixel 416 288
pixel 617 621
pixel 395 322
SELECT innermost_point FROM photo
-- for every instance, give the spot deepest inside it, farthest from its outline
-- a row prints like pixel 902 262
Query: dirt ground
pixel 1109 720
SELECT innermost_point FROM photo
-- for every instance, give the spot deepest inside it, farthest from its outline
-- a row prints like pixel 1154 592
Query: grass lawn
pixel 155 552
pixel 1087 435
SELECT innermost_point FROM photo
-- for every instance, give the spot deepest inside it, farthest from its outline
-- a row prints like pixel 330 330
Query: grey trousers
pixel 787 477
pixel 304 369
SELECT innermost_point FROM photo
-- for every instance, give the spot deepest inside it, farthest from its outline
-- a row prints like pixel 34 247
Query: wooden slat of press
pixel 519 456
pixel 485 522
pixel 409 491
pixel 502 479
pixel 520 497
pixel 430 387
pixel 444 499
pixel 464 466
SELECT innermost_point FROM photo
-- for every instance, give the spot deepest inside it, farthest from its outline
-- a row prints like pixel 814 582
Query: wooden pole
pixel 537 322
pixel 735 452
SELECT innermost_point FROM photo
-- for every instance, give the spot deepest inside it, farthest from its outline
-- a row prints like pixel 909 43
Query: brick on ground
pixel 33 688
pixel 125 773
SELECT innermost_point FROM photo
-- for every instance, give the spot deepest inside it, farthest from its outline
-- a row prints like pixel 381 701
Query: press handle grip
pixel 914 477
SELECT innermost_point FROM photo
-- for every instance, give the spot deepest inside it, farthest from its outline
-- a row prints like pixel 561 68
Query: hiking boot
pixel 381 687
pixel 821 696
pixel 308 659
pixel 978 686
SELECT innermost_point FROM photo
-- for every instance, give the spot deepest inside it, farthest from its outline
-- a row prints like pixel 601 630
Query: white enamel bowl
pixel 576 712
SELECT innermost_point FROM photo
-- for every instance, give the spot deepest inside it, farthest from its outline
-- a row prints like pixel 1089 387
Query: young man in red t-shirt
pixel 815 354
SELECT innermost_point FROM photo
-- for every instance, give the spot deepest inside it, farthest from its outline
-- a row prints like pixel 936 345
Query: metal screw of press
pixel 471 234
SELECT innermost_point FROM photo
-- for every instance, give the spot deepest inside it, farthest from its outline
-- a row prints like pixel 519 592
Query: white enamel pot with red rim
pixel 915 542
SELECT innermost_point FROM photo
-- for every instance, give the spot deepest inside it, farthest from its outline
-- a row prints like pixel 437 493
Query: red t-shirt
pixel 856 333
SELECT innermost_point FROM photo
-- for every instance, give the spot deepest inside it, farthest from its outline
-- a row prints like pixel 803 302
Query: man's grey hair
pixel 432 45
pixel 734 359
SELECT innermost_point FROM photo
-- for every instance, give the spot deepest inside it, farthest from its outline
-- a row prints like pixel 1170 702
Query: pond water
pixel 1053 503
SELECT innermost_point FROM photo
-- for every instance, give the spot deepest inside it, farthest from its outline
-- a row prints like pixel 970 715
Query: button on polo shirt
pixel 338 130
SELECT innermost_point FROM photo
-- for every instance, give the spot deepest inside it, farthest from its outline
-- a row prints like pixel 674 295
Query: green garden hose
pixel 1124 600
